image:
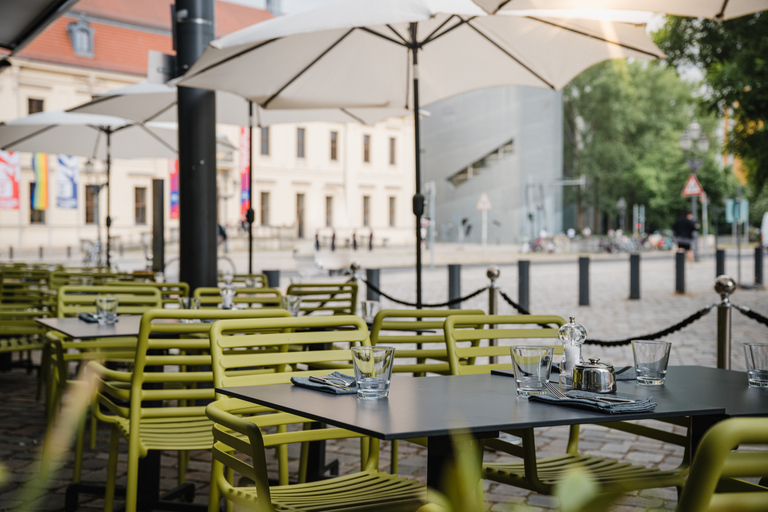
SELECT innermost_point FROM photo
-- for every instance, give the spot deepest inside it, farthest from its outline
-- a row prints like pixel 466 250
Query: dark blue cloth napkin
pixel 349 380
pixel 585 400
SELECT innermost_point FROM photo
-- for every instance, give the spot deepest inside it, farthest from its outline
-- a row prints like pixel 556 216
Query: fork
pixel 329 381
pixel 554 390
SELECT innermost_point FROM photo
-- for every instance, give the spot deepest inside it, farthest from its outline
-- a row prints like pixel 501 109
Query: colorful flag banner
pixel 67 177
pixel 245 172
pixel 10 176
pixel 173 169
pixel 40 194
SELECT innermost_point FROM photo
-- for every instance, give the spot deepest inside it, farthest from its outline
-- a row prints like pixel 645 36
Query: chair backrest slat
pixel 73 300
pixel 326 298
pixel 253 297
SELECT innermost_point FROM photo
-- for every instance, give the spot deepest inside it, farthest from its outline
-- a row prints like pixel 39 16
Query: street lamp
pixel 695 145
pixel 89 172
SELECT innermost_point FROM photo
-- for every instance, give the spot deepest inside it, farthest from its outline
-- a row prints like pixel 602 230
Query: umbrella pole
pixel 109 219
pixel 418 199
pixel 249 214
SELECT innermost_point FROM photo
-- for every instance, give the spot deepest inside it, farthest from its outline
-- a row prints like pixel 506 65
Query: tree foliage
pixel 623 124
pixel 734 58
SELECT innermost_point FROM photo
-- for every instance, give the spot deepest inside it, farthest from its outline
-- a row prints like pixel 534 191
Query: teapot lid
pixel 595 363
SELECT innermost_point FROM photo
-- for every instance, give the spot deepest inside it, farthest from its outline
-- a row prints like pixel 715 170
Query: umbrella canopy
pixel 93 136
pixel 403 53
pixel 713 9
pixel 150 102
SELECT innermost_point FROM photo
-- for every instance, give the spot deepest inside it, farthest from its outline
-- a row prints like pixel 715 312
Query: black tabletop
pixel 442 405
pixel 127 325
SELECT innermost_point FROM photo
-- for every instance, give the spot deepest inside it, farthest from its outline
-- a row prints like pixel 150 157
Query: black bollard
pixel 40 252
pixel 10 253
pixel 759 265
pixel 454 285
pixel 680 272
pixel 69 252
pixel 719 262
pixel 273 278
pixel 584 281
pixel 372 278
pixel 634 276
pixel 524 284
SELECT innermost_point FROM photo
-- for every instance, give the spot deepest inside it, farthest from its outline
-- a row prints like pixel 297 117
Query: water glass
pixel 757 364
pixel 292 304
pixel 531 365
pixel 227 296
pixel 373 370
pixel 106 309
pixel 159 277
pixel 189 303
pixel 369 308
pixel 651 359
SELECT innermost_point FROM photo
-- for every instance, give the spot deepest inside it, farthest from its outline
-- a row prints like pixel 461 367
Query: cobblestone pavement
pixel 554 290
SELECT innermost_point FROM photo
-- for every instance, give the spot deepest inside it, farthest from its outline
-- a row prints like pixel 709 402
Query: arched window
pixel 81 37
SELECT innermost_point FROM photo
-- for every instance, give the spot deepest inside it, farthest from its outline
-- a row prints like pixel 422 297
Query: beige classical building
pixel 309 179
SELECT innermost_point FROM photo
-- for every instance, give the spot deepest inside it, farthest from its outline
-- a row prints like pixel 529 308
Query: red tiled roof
pixel 125 49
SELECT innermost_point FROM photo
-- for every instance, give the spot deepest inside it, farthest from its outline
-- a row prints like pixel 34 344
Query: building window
pixel 91 204
pixel 367 211
pixel 35 216
pixel 81 37
pixel 392 146
pixel 334 145
pixel 140 195
pixel 366 148
pixel 265 208
pixel 300 214
pixel 34 106
pixel 300 142
pixel 265 140
pixel 391 210
pixel 328 211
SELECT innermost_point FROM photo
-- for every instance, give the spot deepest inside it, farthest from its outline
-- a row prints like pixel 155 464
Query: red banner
pixel 245 172
pixel 10 176
pixel 173 168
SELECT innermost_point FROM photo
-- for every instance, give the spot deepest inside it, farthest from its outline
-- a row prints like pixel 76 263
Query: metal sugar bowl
pixel 594 376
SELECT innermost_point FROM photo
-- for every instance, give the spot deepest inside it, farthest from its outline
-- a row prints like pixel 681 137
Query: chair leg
pixel 183 463
pixel 79 442
pixel 132 480
pixel 214 496
pixel 114 449
pixel 393 465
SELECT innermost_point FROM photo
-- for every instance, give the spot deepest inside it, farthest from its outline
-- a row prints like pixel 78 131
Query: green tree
pixel 623 124
pixel 734 58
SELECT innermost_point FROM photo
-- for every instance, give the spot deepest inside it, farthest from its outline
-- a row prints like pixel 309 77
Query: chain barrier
pixel 754 315
pixel 333 295
pixel 413 305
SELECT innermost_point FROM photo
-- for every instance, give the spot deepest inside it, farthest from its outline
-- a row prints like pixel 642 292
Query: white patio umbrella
pixel 713 9
pixel 403 53
pixel 94 136
pixel 147 101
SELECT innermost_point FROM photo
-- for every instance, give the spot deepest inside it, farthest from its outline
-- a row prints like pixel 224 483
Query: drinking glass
pixel 292 304
pixel 227 296
pixel 369 308
pixel 106 309
pixel 373 370
pixel 159 277
pixel 757 364
pixel 531 365
pixel 651 359
pixel 189 303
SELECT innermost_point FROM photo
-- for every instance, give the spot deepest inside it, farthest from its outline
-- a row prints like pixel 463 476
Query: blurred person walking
pixel 683 229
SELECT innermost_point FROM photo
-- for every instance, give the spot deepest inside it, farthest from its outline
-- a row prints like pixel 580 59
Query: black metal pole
pixel 720 262
pixel 158 226
pixel 454 285
pixel 418 199
pixel 524 284
pixel 584 281
pixel 680 272
pixel 634 276
pixel 249 216
pixel 197 150
pixel 273 278
pixel 372 277
pixel 758 265
pixel 109 218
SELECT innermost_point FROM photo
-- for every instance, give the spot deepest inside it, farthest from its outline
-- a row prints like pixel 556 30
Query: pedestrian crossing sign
pixel 692 187
pixel 484 203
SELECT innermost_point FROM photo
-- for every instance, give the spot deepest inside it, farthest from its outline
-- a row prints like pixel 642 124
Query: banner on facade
pixel 10 177
pixel 67 178
pixel 40 190
pixel 245 172
pixel 173 170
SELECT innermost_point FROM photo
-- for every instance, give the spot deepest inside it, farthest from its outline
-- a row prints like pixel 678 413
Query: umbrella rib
pixel 494 43
pixel 38 132
pixel 719 16
pixel 582 33
pixel 431 37
pixel 353 116
pixel 404 40
pixel 160 112
pixel 373 32
pixel 94 101
pixel 238 54
pixel 307 67
pixel 158 139
pixel 501 6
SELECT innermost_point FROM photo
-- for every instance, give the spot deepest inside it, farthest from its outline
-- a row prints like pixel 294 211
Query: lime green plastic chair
pixel 23 285
pixel 464 335
pixel 240 444
pixel 126 397
pixel 716 482
pixel 210 297
pixel 169 292
pixel 326 298
pixel 257 280
pixel 19 333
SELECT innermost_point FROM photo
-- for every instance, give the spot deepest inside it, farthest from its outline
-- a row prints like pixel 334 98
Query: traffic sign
pixel 484 203
pixel 692 187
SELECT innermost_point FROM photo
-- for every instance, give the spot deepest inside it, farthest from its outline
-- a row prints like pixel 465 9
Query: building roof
pixel 125 31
